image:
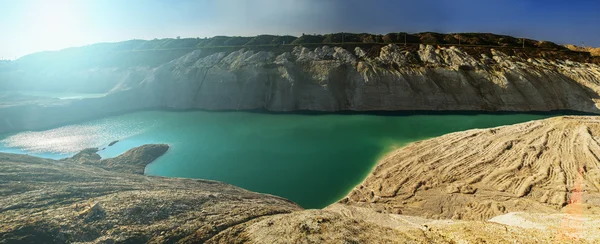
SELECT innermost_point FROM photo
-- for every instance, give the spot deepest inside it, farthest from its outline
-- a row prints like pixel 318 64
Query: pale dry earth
pixel 594 51
pixel 48 201
pixel 539 166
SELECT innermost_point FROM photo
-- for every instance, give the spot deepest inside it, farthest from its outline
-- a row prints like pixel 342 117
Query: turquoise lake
pixel 313 160
pixel 59 95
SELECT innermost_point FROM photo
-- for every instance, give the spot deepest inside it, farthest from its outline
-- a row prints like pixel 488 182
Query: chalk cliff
pixel 325 78
pixel 333 79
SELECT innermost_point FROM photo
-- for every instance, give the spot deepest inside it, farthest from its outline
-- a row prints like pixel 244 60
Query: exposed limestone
pixel 45 200
pixel 318 226
pixel 429 55
pixel 359 52
pixel 333 79
pixel 133 161
pixel 540 166
pixel 564 226
pixel 594 51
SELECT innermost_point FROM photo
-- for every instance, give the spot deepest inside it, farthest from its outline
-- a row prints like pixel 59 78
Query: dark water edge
pixel 317 113
pixel 419 112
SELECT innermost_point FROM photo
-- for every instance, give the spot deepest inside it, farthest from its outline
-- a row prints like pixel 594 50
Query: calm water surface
pixel 59 95
pixel 313 160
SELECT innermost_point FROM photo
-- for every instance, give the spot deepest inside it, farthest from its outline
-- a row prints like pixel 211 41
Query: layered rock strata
pixel 332 79
pixel 546 166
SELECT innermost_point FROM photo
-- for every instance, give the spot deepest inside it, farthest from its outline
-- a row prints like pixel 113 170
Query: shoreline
pixel 119 194
pixel 391 113
pixel 385 147
pixel 390 148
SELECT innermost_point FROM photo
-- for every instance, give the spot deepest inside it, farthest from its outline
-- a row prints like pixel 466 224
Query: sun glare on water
pixel 73 138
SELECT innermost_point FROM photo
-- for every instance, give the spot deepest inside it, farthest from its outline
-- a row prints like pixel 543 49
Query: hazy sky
pixel 34 25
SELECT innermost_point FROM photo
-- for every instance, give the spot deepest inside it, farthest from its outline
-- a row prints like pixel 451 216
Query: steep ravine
pixel 333 79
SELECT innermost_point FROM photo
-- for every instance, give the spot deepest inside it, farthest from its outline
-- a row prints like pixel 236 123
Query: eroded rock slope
pixel 546 166
pixel 333 79
pixel 47 201
pixel 87 199
pixel 390 78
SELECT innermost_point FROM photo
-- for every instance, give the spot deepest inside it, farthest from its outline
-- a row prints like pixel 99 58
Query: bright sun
pixel 57 23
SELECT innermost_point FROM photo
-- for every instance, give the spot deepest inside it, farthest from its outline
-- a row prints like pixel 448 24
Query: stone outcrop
pixel 133 161
pixel 79 200
pixel 325 226
pixel 391 78
pixel 547 166
pixel 333 79
pixel 593 51
pixel 48 201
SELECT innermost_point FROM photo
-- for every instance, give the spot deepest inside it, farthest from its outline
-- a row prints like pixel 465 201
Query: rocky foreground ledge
pixel 538 180
pixel 539 166
pixel 84 199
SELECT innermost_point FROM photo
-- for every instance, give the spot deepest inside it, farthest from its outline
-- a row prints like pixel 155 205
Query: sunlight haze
pixel 38 25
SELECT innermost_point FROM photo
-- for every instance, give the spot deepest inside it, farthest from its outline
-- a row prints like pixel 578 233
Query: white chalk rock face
pixel 328 79
pixel 333 78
